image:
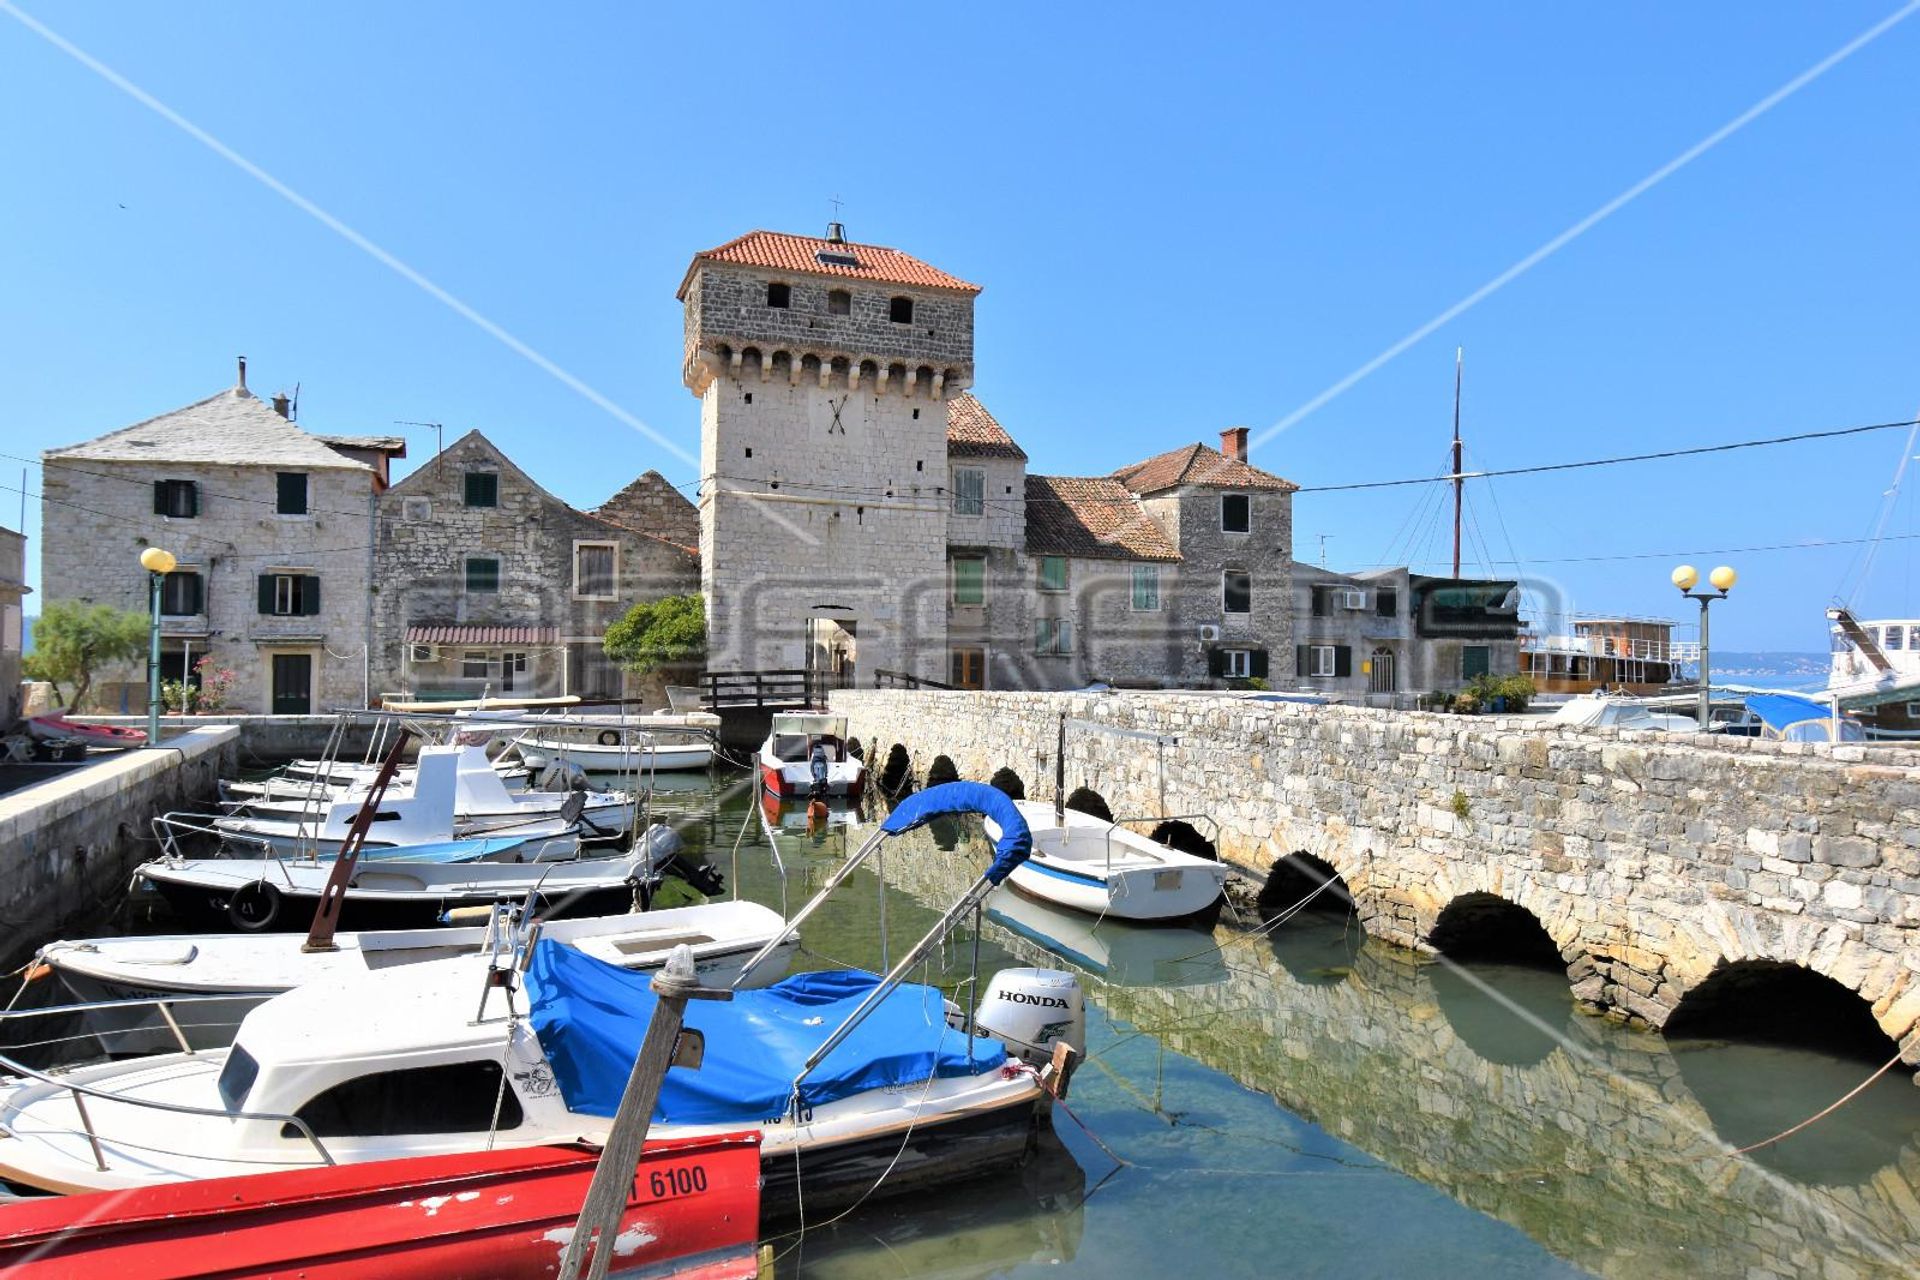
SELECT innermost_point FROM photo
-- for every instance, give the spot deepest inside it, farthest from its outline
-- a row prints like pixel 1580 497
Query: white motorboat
pixel 1609 711
pixel 456 793
pixel 102 973
pixel 255 894
pixel 664 741
pixel 805 755
pixel 854 1082
pixel 1105 869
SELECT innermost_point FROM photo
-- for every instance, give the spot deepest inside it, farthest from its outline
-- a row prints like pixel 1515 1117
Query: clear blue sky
pixel 1184 219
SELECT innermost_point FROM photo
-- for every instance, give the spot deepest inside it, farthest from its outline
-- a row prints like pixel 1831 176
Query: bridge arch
pixel 1007 781
pixel 1302 880
pixel 1478 925
pixel 896 773
pixel 942 770
pixel 1776 1002
pixel 1087 800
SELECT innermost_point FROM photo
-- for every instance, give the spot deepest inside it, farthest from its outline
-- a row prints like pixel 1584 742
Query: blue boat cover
pixel 591 1016
pixel 445 851
pixel 1016 842
pixel 1800 719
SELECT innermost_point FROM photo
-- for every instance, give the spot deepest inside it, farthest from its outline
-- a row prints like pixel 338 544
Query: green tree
pixel 72 641
pixel 659 633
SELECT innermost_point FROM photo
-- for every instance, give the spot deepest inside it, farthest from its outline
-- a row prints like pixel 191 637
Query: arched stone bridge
pixel 1655 864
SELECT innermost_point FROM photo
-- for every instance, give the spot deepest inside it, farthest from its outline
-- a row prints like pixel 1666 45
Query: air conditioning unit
pixel 1209 632
pixel 422 653
pixel 1353 599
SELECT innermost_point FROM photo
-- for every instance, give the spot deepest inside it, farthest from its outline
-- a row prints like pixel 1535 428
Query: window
pixel 1322 602
pixel 474 665
pixel 839 302
pixel 1386 602
pixel 1895 635
pixel 969 580
pixel 1145 595
pixel 1053 637
pixel 183 594
pixel 291 493
pixel 1913 711
pixel 1474 660
pixel 514 662
pixel 416 510
pixel 593 570
pixel 287 595
pixel 483 489
pixel 483 573
pixel 969 491
pixel 900 310
pixel 1053 573
pixel 1320 659
pixel 1236 591
pixel 1236 513
pixel 455 1098
pixel 779 295
pixel 237 1077
pixel 179 499
pixel 1235 663
pixel 966 668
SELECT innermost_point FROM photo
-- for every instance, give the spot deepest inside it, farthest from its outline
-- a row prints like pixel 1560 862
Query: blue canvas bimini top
pixel 591 1015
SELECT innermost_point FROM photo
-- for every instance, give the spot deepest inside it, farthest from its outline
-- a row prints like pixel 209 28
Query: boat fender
pixel 609 738
pixel 254 907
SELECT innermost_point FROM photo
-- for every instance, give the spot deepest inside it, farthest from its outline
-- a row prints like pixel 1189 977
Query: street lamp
pixel 158 565
pixel 1686 577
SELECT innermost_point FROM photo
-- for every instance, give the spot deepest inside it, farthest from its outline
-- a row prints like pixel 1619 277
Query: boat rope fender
pixel 609 738
pixel 1016 841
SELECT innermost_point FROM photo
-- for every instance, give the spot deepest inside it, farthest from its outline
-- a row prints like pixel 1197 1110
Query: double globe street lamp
pixel 158 565
pixel 1686 577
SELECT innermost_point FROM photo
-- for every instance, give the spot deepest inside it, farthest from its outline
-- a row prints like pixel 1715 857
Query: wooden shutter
pixel 266 592
pixel 310 595
pixel 1257 664
pixel 1216 662
pixel 160 497
pixel 1342 660
pixel 1300 660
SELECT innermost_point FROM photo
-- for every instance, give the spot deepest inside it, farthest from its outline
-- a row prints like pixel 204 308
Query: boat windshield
pixel 237 1077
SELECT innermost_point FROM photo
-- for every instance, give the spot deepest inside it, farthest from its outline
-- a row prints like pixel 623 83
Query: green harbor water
pixel 1316 1104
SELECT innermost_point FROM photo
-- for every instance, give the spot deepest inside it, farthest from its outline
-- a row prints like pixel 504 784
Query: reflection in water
pixel 1512 1015
pixel 1320 1105
pixel 1112 951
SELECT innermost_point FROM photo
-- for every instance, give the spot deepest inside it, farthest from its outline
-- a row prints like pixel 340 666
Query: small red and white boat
pixel 805 755
pixel 693 1213
pixel 56 727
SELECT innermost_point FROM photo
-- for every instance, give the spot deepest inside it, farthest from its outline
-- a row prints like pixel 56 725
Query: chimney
pixel 243 374
pixel 836 233
pixel 1233 443
pixel 281 404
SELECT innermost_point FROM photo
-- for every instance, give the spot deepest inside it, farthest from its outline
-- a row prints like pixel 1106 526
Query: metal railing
pixel 79 1092
pixel 884 679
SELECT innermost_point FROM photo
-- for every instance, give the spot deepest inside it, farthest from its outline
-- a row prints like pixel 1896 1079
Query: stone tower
pixel 824 369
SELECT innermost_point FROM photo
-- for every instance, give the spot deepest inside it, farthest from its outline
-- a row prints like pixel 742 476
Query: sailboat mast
pixel 1458 355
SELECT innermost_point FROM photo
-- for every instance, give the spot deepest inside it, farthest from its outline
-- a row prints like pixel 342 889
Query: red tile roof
pixel 483 635
pixel 1197 464
pixel 778 251
pixel 972 432
pixel 1092 517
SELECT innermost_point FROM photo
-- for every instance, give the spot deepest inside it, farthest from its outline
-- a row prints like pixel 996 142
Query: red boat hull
pixel 59 728
pixel 693 1214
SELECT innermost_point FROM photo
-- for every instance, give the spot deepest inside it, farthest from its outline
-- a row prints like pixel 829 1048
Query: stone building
pixel 13 587
pixel 1387 636
pixel 862 516
pixel 489 584
pixel 270 526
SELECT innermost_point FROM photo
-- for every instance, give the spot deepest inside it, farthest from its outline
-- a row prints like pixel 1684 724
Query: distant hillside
pixel 1772 666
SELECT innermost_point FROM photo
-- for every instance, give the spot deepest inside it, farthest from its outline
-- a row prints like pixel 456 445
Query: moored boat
pixel 1105 869
pixel 56 727
pixel 693 1214
pixel 805 756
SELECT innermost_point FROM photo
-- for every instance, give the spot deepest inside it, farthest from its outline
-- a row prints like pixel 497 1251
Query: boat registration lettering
pixel 1166 880
pixel 670 1183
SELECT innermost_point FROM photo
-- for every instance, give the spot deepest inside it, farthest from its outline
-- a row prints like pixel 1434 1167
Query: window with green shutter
pixel 969 491
pixel 1053 573
pixel 483 573
pixel 1475 660
pixel 969 580
pixel 177 499
pixel 483 489
pixel 1145 597
pixel 289 595
pixel 290 493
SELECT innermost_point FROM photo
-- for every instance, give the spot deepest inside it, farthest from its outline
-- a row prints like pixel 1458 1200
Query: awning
pixel 483 635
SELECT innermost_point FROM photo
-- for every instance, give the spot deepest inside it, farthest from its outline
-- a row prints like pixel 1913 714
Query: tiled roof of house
pixel 1197 464
pixel 652 506
pixel 778 251
pixel 972 432
pixel 458 633
pixel 1093 517
pixel 234 428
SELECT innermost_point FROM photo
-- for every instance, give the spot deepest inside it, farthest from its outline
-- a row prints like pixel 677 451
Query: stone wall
pixel 97 517
pixel 13 585
pixel 729 307
pixel 651 505
pixel 1650 861
pixel 68 845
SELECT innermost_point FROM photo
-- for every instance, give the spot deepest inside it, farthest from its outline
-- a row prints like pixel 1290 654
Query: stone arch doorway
pixel 1380 672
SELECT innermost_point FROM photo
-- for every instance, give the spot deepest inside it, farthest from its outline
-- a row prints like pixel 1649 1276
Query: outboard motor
pixel 1031 1009
pixel 666 855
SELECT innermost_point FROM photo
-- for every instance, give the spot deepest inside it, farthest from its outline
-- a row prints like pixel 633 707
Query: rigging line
pixel 1810 545
pixel 1661 455
pixel 1888 502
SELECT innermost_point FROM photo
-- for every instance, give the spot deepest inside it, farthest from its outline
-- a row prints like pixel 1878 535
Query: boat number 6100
pixel 669 1184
